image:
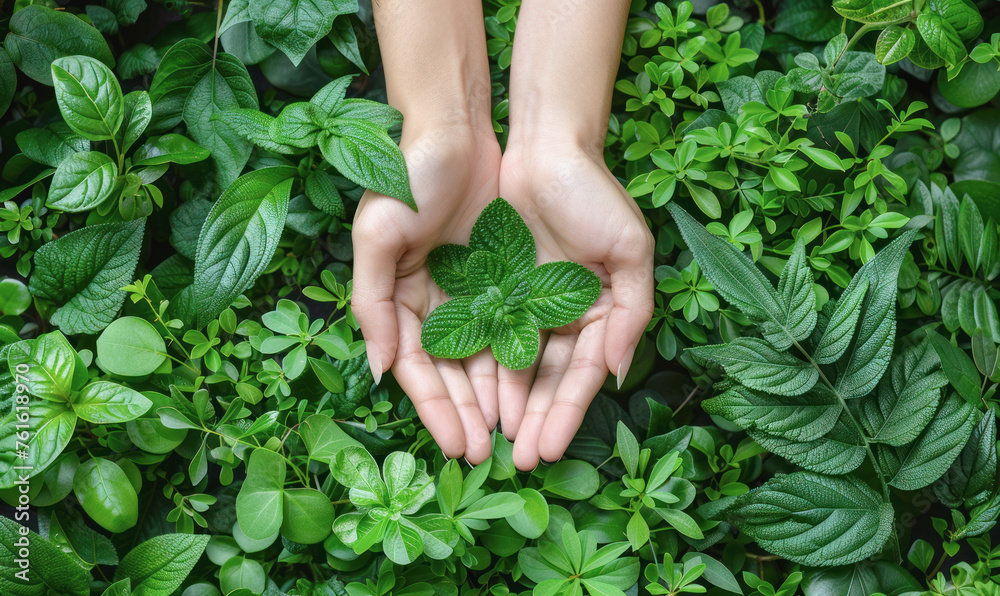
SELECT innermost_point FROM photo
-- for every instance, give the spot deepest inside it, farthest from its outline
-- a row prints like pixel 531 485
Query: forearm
pixel 566 56
pixel 434 56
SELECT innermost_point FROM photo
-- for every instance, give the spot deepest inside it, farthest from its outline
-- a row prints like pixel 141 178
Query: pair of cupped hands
pixel 577 211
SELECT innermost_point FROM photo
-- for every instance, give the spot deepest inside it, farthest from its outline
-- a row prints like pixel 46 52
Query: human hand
pixel 453 176
pixel 577 211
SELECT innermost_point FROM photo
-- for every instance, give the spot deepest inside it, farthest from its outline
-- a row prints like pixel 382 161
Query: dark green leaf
pixel 160 565
pixel 500 230
pixel 561 292
pixel 89 97
pixel 756 364
pixel 40 35
pixel 364 153
pixel 803 418
pixel 259 503
pixel 50 570
pixel 971 478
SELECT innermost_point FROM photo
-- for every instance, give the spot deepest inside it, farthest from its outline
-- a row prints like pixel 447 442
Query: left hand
pixel 577 211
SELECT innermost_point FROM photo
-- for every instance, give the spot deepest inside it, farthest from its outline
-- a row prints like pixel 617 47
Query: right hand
pixel 453 176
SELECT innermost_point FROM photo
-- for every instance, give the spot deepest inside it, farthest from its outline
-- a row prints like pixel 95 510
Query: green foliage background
pixel 813 409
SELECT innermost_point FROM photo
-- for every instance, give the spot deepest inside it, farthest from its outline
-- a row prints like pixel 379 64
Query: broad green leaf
pixel 906 398
pixel 131 347
pixel 815 520
pixel 72 534
pixel 981 519
pixel 941 37
pixel 795 292
pixel 402 544
pixel 196 85
pixel 924 460
pixel 259 504
pixel 239 238
pixel 958 367
pixel 894 44
pixel 532 519
pixel 486 270
pixel 872 11
pixel 308 515
pixel 46 366
pixel 105 493
pixel 89 97
pixel 39 35
pixel 365 154
pixel 160 565
pixel 802 418
pixel 399 468
pixel 332 94
pixel 453 331
pixel 49 571
pixel 860 75
pixel 84 272
pixel 354 467
pixel 323 438
pixel 241 576
pixel 376 112
pixel 839 451
pixel 52 428
pixel 571 479
pixel 870 350
pixel 735 277
pixel 810 20
pixel 515 340
pixel 52 144
pixel 140 59
pixel 298 125
pixel 324 195
pixel 8 81
pixel 120 588
pixel 447 264
pixel 294 26
pixel 861 579
pixel 138 111
pixel 682 522
pixel 756 364
pixel 493 506
pixel 103 402
pixel 169 148
pixel 962 15
pixel 628 448
pixel 561 292
pixel 971 478
pixel 82 181
pixel 844 320
pixel 500 230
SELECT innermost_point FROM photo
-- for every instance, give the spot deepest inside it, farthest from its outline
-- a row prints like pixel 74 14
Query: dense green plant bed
pixel 187 405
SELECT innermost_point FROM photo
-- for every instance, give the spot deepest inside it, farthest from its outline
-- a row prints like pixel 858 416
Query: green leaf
pixel 453 331
pixel 795 292
pixel 131 347
pixel 365 154
pixel 809 20
pixel 860 75
pixel 298 125
pixel 447 264
pixel 169 148
pixel 308 516
pixel 500 230
pixel 872 11
pixel 963 16
pixel 533 518
pixel 294 26
pixel 103 402
pixel 906 398
pixel 628 448
pixel 572 479
pixel 861 579
pixel 82 181
pixel 196 85
pixel 485 270
pixel 375 112
pixel 802 418
pixel 894 44
pixel 140 59
pixel 239 238
pixel 138 111
pixel 323 193
pixel 515 340
pixel 52 428
pixel 941 37
pixel 734 276
pixel 754 363
pixel 259 506
pixel 922 462
pixel 105 493
pixel 839 451
pixel 89 97
pixel 402 544
pixel 47 366
pixel 84 272
pixel 561 292
pixel 493 506
pixel 39 35
pixel 51 145
pixel 160 565
pixel 8 82
pixel 354 467
pixel 971 478
pixel 843 321
pixel 815 520
pixel 241 576
pixel 49 569
pixel 871 348
pixel 958 367
pixel 122 588
pixel 324 438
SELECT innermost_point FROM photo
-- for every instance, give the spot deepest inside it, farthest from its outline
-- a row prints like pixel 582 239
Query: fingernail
pixel 545 463
pixel 446 458
pixel 376 368
pixel 467 462
pixel 624 365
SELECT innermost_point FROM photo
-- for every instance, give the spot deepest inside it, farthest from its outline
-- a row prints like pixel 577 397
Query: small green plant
pixel 499 298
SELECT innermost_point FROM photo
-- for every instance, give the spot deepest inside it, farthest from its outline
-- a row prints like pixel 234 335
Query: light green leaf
pixel 324 438
pixel 941 37
pixel 46 366
pixel 515 340
pixel 802 418
pixel 39 35
pixel 105 493
pixel 160 565
pixel 52 144
pixel 815 520
pixel 958 367
pixel 241 576
pixel 131 346
pixel 756 364
pixel 308 516
pixel 532 519
pixel 294 26
pixel 298 125
pixel 365 154
pixel 870 350
pixel 572 479
pixel 971 478
pixel 103 402
pixel 51 571
pixel 89 97
pixel 872 11
pixel 354 467
pixel 493 506
pixel 239 238
pixel 402 544
pixel 561 292
pixel 922 462
pixel 52 428
pixel 452 331
pixel 84 272
pixel 839 451
pixel 628 448
pixel 169 148
pixel 894 44
pixel 499 229
pixel 259 506
pixel 82 181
